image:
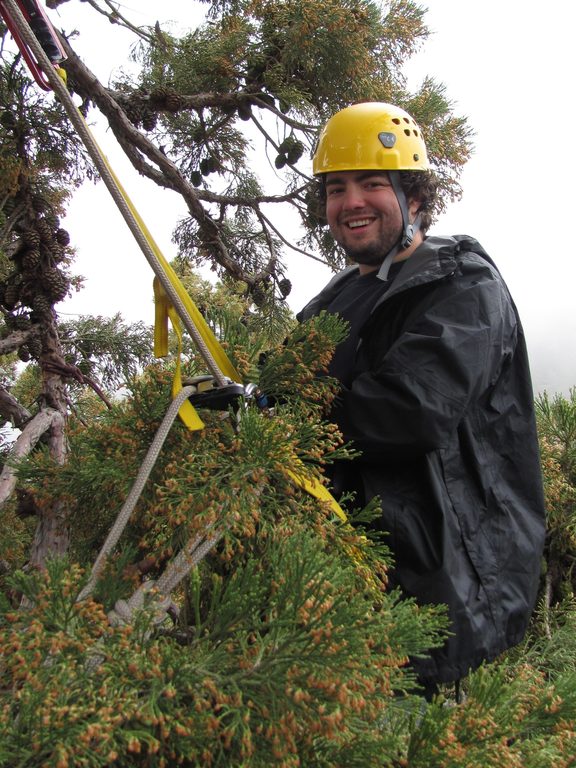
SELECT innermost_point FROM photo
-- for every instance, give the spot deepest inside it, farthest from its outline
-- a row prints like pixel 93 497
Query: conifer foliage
pixel 282 644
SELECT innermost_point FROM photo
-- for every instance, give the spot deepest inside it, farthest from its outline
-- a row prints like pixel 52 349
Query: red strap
pixel 48 39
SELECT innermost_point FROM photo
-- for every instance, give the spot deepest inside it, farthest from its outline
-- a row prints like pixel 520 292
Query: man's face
pixel 363 214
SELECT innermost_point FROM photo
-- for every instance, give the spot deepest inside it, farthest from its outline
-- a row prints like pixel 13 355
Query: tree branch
pixel 166 174
pixel 60 368
pixel 30 435
pixel 265 220
pixel 14 341
pixel 11 410
pixel 151 162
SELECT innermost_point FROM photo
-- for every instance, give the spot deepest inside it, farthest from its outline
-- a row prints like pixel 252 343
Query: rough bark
pixel 52 534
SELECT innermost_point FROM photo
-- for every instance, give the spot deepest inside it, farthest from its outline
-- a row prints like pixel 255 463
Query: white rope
pixel 195 551
pixel 155 595
pixel 137 488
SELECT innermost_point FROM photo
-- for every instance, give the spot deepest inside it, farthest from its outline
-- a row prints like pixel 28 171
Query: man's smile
pixel 358 223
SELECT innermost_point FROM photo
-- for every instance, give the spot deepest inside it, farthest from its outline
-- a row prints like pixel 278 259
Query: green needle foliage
pixel 286 650
pixel 287 662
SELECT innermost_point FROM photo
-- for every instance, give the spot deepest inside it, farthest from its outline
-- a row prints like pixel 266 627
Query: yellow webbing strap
pixel 164 309
pixel 319 492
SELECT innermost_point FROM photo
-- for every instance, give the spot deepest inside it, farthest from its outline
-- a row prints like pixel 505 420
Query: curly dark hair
pixel 422 186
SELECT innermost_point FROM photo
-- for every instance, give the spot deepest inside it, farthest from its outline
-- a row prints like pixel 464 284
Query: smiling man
pixel 435 391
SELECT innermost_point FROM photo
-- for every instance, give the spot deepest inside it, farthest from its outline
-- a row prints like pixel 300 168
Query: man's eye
pixel 333 191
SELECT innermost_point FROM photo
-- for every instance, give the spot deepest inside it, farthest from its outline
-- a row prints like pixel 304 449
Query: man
pixel 435 391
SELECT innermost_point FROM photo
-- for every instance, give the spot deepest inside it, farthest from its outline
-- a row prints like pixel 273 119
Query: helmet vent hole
pixel 407 131
pixel 396 120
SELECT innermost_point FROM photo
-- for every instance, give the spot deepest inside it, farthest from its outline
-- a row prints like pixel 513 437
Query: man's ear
pixel 414 206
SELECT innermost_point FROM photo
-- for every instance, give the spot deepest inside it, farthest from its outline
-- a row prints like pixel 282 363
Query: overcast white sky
pixel 509 66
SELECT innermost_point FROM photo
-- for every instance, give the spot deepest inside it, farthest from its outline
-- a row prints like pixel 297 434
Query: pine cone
pixel 31 259
pixel 35 346
pixel 40 203
pixel 259 296
pixel 149 121
pixel 244 111
pixel 58 254
pixel 134 113
pixel 41 305
pixel 22 322
pixel 11 295
pixel 44 231
pixel 55 283
pixel 31 238
pixel 159 94
pixel 284 286
pixel 62 237
pixel 173 101
pixel 295 153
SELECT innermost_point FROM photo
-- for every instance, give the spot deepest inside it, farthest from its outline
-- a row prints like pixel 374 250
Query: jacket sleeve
pixel 443 361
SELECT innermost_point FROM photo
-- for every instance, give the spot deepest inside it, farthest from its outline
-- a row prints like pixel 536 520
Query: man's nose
pixel 353 197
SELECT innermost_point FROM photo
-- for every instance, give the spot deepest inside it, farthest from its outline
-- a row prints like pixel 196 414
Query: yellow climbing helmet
pixel 370 136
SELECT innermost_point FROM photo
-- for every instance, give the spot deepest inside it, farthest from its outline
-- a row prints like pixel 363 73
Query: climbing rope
pixel 135 492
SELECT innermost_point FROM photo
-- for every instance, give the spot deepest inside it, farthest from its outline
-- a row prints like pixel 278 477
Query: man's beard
pixel 374 253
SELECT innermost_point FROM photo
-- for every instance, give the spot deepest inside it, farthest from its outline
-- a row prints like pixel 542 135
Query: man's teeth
pixel 360 223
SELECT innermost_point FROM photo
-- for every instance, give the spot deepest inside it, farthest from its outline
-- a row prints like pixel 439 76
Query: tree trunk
pixel 52 535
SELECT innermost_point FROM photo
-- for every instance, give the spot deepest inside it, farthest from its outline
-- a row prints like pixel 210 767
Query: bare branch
pixel 113 15
pixel 267 224
pixel 11 410
pixel 30 435
pixel 14 341
pixel 60 368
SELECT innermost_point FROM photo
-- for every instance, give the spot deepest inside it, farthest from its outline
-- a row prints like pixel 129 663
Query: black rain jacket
pixel 441 406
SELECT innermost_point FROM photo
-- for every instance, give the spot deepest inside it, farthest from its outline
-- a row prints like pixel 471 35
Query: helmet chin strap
pixel 408 229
